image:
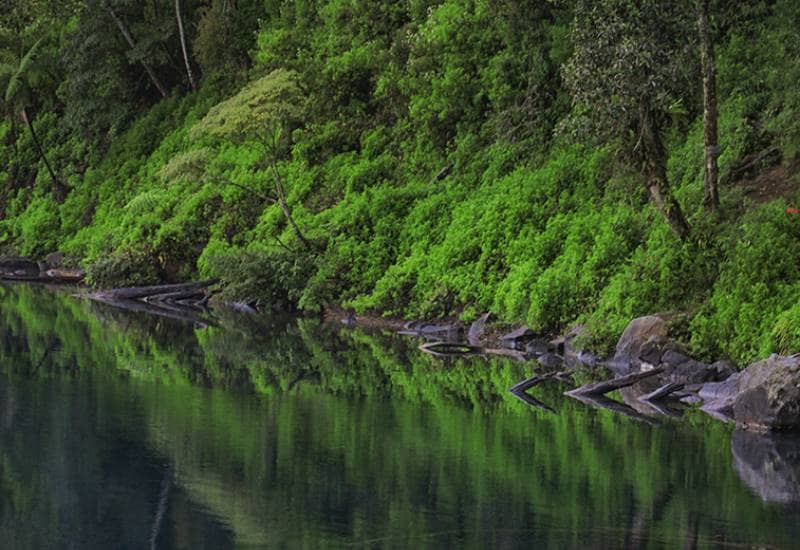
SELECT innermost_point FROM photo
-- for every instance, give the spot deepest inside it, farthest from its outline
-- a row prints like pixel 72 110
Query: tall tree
pixel 17 79
pixel 183 45
pixel 627 76
pixel 710 138
pixel 263 114
pixel 126 33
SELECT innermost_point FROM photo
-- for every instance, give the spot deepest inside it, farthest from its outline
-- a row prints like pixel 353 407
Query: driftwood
pixel 151 292
pixel 525 385
pixel 447 349
pixel 602 388
pixel 510 353
pixel 662 392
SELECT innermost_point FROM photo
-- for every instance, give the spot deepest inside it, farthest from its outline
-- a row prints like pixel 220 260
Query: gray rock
pixel 768 464
pixel 476 330
pixel 769 394
pixel 550 360
pixel 719 397
pixel 650 329
pixel 694 372
pixel 518 337
pixel 724 369
pixel 537 347
pixel 54 260
pixel 674 358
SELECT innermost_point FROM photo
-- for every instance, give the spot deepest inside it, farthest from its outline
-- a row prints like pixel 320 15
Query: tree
pixel 710 138
pixel 263 113
pixel 627 76
pixel 126 33
pixel 183 45
pixel 17 82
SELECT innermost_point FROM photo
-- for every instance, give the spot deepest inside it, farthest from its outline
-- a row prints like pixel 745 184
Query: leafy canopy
pixel 629 56
pixel 261 110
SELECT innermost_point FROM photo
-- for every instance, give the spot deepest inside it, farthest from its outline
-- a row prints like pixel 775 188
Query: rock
pixel 724 369
pixel 550 360
pixel 349 320
pixel 445 331
pixel 572 354
pixel 476 330
pixel 518 337
pixel 693 372
pixel 537 347
pixel 719 397
pixel 16 266
pixel 648 329
pixel 769 394
pixel 54 260
pixel 768 464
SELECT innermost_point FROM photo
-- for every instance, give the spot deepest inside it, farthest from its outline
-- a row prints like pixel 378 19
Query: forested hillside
pixel 542 160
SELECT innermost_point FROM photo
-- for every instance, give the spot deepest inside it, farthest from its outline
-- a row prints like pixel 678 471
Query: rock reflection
pixel 769 464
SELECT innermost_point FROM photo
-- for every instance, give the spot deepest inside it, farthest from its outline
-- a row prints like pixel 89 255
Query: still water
pixel 124 430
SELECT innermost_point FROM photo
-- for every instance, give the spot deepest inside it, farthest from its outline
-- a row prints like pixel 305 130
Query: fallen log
pixel 527 384
pixel 447 349
pixel 602 388
pixel 141 292
pixel 662 392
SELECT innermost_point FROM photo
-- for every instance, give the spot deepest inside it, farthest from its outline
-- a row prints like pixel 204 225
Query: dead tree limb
pixel 142 292
pixel 662 392
pixel 602 388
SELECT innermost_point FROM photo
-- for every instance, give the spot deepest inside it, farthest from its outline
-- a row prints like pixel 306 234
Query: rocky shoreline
pixel 652 371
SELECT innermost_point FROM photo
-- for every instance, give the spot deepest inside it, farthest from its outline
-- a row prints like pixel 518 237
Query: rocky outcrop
pixel 769 394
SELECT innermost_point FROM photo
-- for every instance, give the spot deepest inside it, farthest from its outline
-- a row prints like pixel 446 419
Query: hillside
pixel 424 158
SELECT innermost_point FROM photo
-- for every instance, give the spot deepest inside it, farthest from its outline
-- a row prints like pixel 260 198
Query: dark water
pixel 123 430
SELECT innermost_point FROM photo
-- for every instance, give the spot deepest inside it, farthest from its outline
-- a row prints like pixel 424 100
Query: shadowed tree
pixel 628 74
pixel 710 138
pixel 17 82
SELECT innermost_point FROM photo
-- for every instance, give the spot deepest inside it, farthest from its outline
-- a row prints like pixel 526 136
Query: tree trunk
pixel 58 188
pixel 129 39
pixel 710 137
pixel 285 207
pixel 654 169
pixel 183 45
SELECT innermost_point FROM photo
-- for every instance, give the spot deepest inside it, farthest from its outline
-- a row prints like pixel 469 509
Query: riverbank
pixel 650 369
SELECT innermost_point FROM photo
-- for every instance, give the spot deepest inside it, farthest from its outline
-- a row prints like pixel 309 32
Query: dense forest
pixel 551 162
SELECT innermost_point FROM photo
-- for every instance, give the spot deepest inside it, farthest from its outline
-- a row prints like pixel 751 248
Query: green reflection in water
pixel 132 431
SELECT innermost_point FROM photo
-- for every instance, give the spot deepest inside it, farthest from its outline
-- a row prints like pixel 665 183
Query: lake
pixel 127 430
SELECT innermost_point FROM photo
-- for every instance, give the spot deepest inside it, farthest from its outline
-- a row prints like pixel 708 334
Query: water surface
pixel 122 430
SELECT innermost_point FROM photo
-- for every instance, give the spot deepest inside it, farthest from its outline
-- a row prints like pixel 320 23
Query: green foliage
pixel 414 146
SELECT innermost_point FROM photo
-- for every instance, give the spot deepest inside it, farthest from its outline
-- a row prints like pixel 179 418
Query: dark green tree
pixel 18 79
pixel 628 75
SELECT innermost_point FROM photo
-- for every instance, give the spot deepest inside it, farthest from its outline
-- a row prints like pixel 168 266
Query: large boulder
pixel 641 334
pixel 768 464
pixel 769 394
